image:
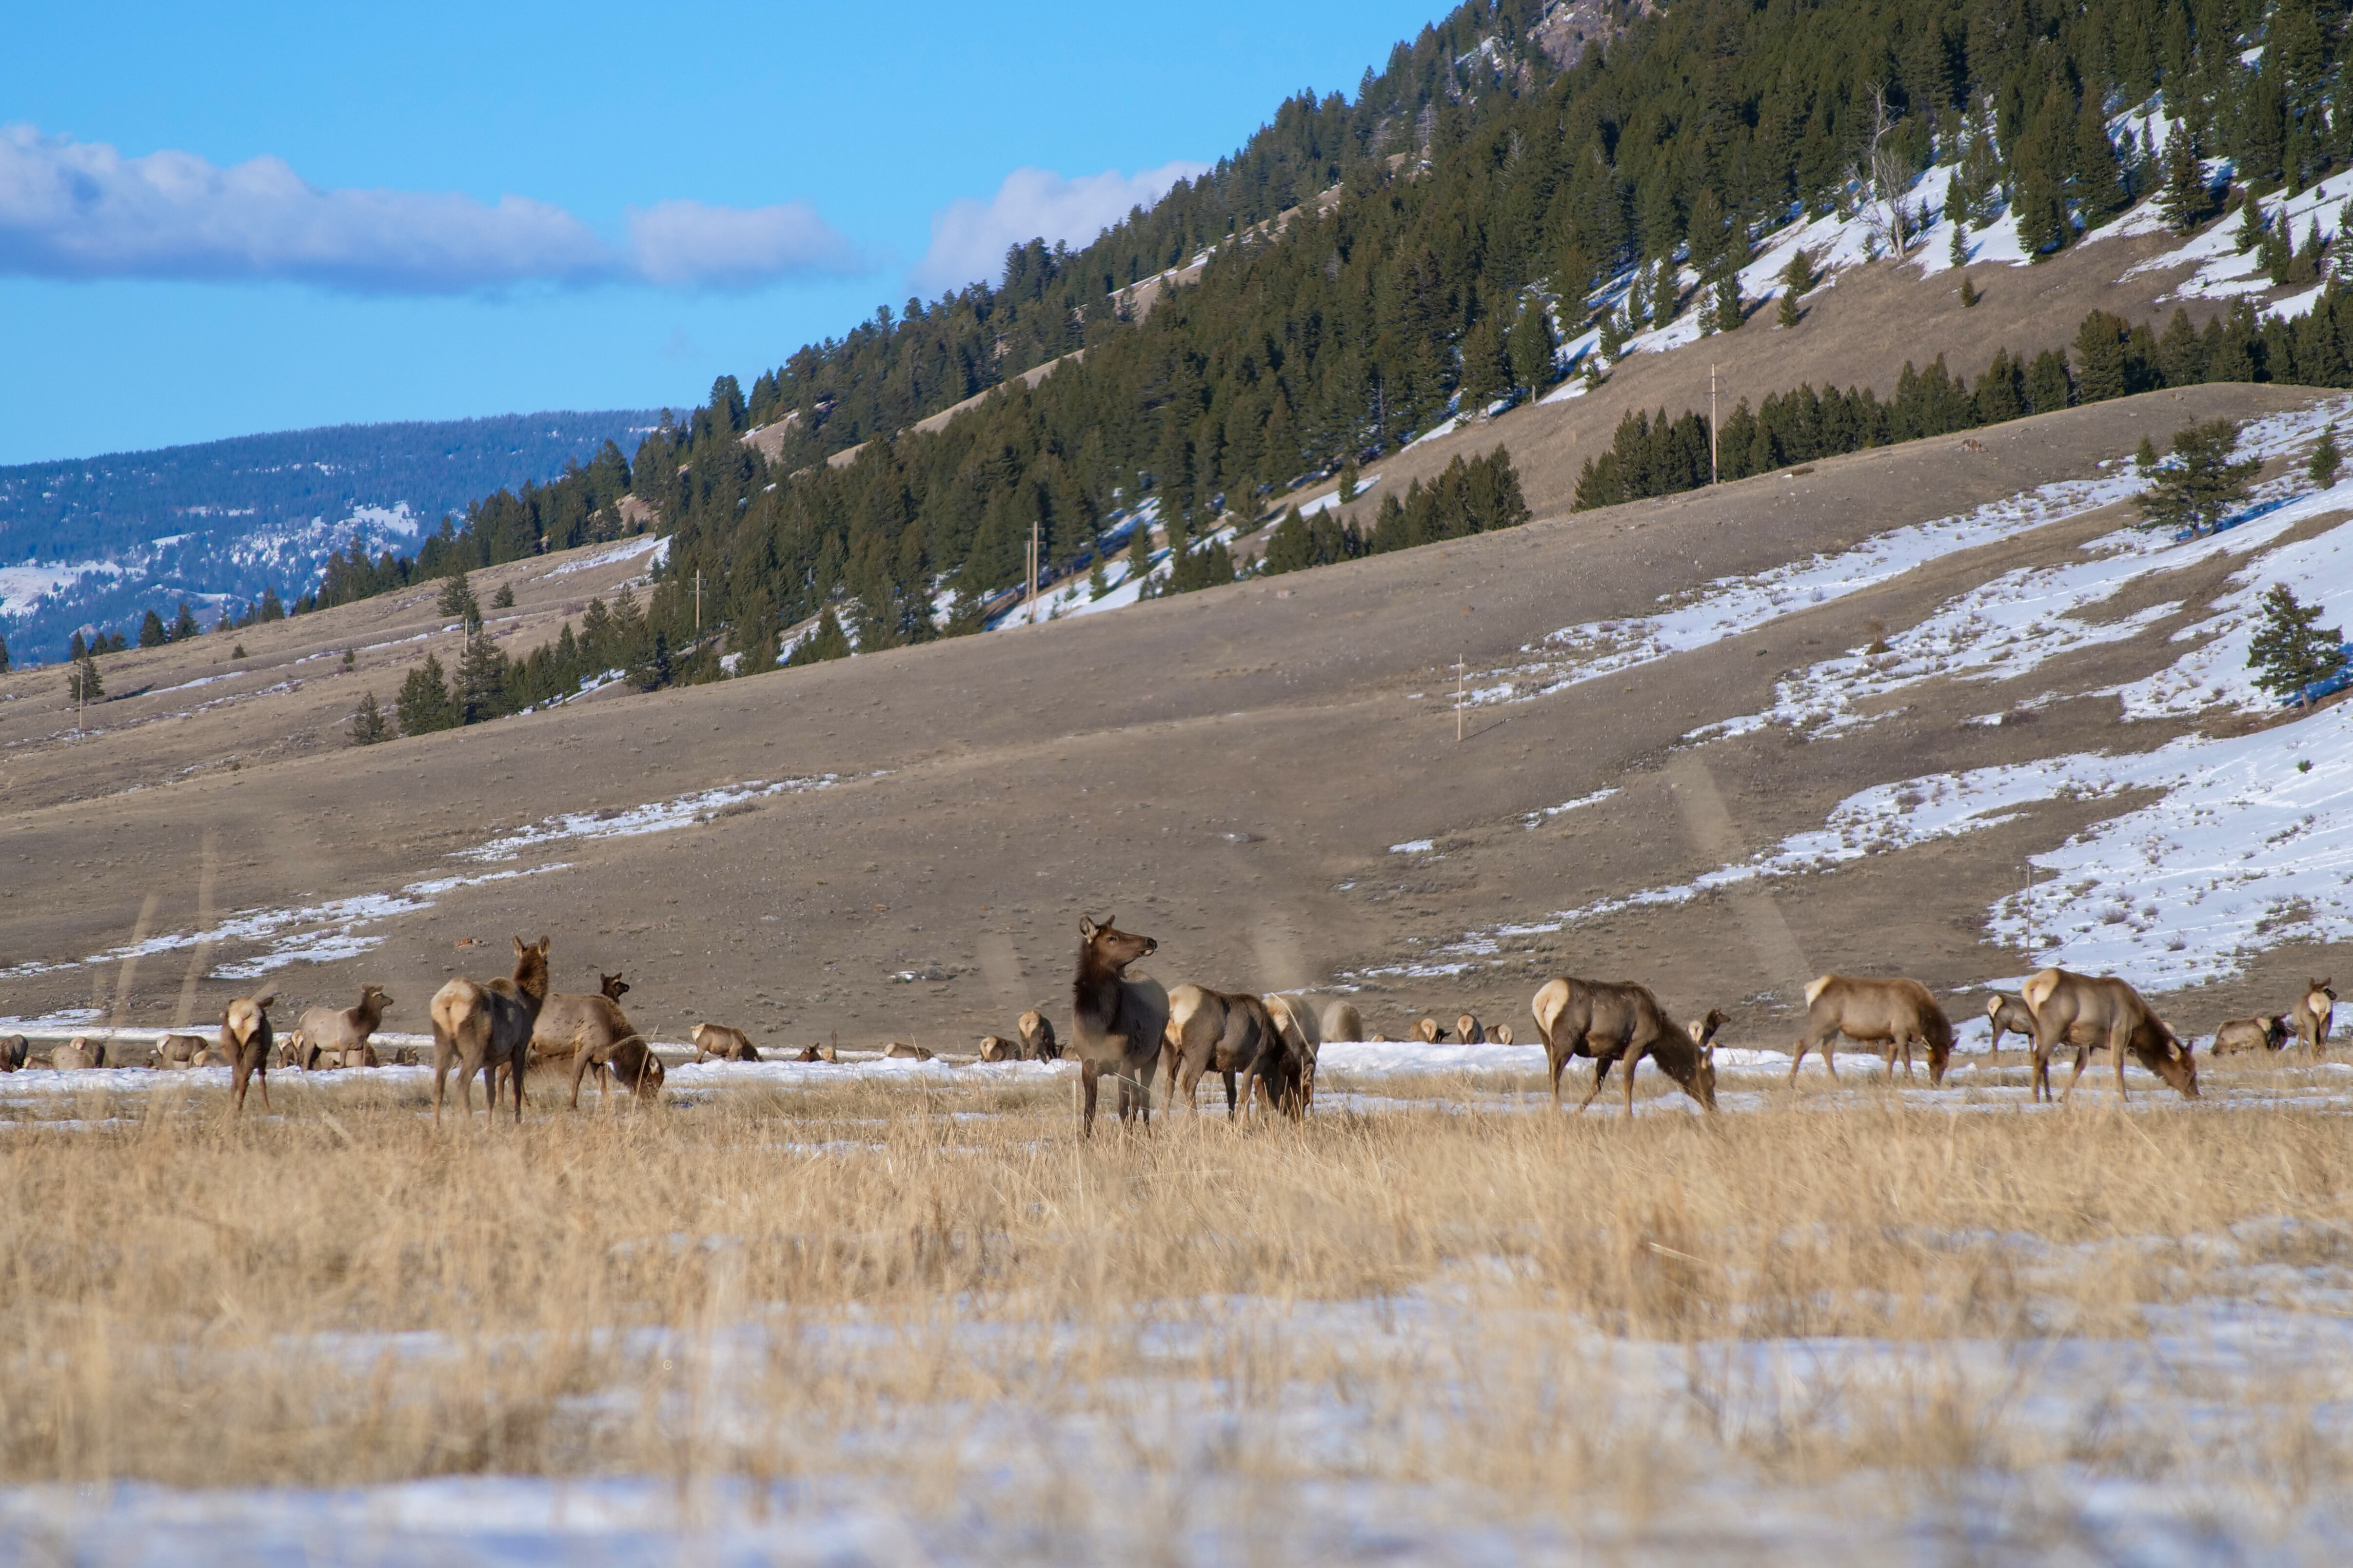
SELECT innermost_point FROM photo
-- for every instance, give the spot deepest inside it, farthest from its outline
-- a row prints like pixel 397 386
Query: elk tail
pixel 1814 987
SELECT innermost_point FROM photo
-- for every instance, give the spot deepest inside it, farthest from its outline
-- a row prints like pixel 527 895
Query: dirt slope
pixel 1226 770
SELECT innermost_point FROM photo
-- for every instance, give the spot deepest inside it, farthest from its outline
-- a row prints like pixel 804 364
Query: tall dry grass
pixel 916 1282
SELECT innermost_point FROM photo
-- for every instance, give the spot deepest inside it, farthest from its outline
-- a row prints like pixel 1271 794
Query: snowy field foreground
pixel 895 1312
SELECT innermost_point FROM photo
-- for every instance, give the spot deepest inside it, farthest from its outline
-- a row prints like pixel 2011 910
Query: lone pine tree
pixel 2201 485
pixel 2291 649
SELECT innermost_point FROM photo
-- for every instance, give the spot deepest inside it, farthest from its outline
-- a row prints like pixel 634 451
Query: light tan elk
pixel 2313 1013
pixel 2008 1016
pixel 244 1039
pixel 1116 1023
pixel 338 1036
pixel 717 1041
pixel 629 1060
pixel 899 1050
pixel 1233 1035
pixel 179 1051
pixel 1037 1031
pixel 77 1055
pixel 1341 1021
pixel 1616 1023
pixel 478 1028
pixel 2086 1013
pixel 568 1016
pixel 602 1040
pixel 15 1051
pixel 1893 1015
pixel 1467 1030
pixel 1429 1030
pixel 993 1048
pixel 1501 1034
pixel 2256 1034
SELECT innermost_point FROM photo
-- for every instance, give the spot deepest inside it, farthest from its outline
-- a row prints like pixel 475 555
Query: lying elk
pixel 717 1041
pixel 2086 1013
pixel 993 1048
pixel 1467 1030
pixel 2257 1034
pixel 2008 1016
pixel 1890 1014
pixel 2313 1013
pixel 1429 1030
pixel 817 1053
pixel 1116 1023
pixel 1233 1035
pixel 1501 1034
pixel 77 1055
pixel 15 1051
pixel 340 1033
pixel 1037 1032
pixel 479 1028
pixel 1613 1023
pixel 179 1051
pixel 244 1039
pixel 1341 1021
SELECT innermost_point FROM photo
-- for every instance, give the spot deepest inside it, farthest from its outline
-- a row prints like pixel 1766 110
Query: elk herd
pixel 1129 1029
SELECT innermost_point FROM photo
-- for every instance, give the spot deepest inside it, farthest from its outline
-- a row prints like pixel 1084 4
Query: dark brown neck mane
pixel 1095 994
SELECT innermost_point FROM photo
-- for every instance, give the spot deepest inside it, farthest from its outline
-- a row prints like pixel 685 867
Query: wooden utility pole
pixel 1033 571
pixel 698 601
pixel 1458 668
pixel 1714 384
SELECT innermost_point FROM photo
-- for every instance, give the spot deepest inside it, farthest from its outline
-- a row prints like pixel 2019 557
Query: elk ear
pixel 520 948
pixel 263 1001
pixel 1087 928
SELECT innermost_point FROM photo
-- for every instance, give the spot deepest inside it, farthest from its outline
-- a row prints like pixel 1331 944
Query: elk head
pixel 375 997
pixel 1110 947
pixel 1703 1034
pixel 612 985
pixel 2175 1064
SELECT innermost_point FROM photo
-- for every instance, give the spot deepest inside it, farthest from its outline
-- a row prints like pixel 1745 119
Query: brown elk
pixel 2312 1015
pixel 816 1054
pixel 1467 1030
pixel 2260 1033
pixel 2086 1013
pixel 1037 1043
pixel 1341 1021
pixel 179 1051
pixel 79 1054
pixel 1501 1034
pixel 993 1048
pixel 899 1050
pixel 15 1051
pixel 1300 1024
pixel 244 1039
pixel 568 1017
pixel 2008 1016
pixel 340 1033
pixel 1233 1035
pixel 1116 1023
pixel 1429 1030
pixel 725 1043
pixel 478 1028
pixel 1890 1014
pixel 1617 1022
pixel 629 1060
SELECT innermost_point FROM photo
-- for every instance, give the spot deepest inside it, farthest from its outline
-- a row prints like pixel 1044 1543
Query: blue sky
pixel 482 209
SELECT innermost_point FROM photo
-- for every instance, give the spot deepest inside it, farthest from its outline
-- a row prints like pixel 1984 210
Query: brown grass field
pixel 1907 1321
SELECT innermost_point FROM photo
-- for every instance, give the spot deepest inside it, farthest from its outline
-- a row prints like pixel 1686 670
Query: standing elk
pixel 1613 1023
pixel 1890 1014
pixel 1300 1021
pixel 2257 1034
pixel 1468 1030
pixel 717 1041
pixel 2087 1014
pixel 479 1028
pixel 1232 1034
pixel 1501 1034
pixel 244 1039
pixel 2312 1015
pixel 340 1033
pixel 15 1051
pixel 568 1017
pixel 1116 1023
pixel 1429 1030
pixel 2008 1016
pixel 1037 1043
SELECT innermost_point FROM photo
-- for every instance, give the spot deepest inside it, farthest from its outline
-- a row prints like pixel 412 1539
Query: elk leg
pixel 261 1076
pixel 580 1067
pixel 1086 1099
pixel 1632 1061
pixel 440 1079
pixel 2116 1049
pixel 1229 1077
pixel 1556 1061
pixel 2083 1057
pixel 1600 1073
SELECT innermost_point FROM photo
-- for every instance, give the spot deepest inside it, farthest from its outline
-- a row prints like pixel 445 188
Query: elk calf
pixel 244 1039
pixel 2256 1034
pixel 725 1043
pixel 1890 1014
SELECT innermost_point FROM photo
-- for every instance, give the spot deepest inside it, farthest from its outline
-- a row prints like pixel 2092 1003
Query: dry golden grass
pixel 870 1278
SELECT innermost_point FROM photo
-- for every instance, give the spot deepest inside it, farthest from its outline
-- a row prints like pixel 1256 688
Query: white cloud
pixel 677 243
pixel 82 210
pixel 969 238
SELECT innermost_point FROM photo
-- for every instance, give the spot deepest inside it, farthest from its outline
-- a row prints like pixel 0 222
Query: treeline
pixel 1472 495
pixel 1701 126
pixel 1652 455
pixel 614 643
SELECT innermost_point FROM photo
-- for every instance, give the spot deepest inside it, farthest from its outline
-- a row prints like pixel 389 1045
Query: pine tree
pixel 481 681
pixel 504 598
pixel 1727 308
pixel 2183 202
pixel 1789 315
pixel 2325 460
pixel 183 625
pixel 458 599
pixel 2250 224
pixel 368 727
pixel 1959 253
pixel 653 669
pixel 2201 486
pixel 1533 347
pixel 3 656
pixel 83 683
pixel 151 632
pixel 269 609
pixel 1969 295
pixel 1347 481
pixel 2291 649
pixel 425 704
pixel 828 641
pixel 1484 370
pixel 74 647
pixel 2145 456
pixel 1099 578
pixel 1611 345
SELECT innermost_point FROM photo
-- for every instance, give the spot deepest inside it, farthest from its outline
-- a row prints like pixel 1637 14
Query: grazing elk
pixel 1234 1035
pixel 2260 1032
pixel 1617 1021
pixel 1301 1023
pixel 77 1055
pixel 1429 1030
pixel 629 1060
pixel 1501 1034
pixel 2312 1015
pixel 1116 1023
pixel 1341 1021
pixel 340 1033
pixel 2086 1013
pixel 1467 1032
pixel 479 1028
pixel 993 1048
pixel 2008 1016
pixel 568 1017
pixel 719 1041
pixel 1037 1043
pixel 15 1051
pixel 1890 1014
pixel 245 1040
